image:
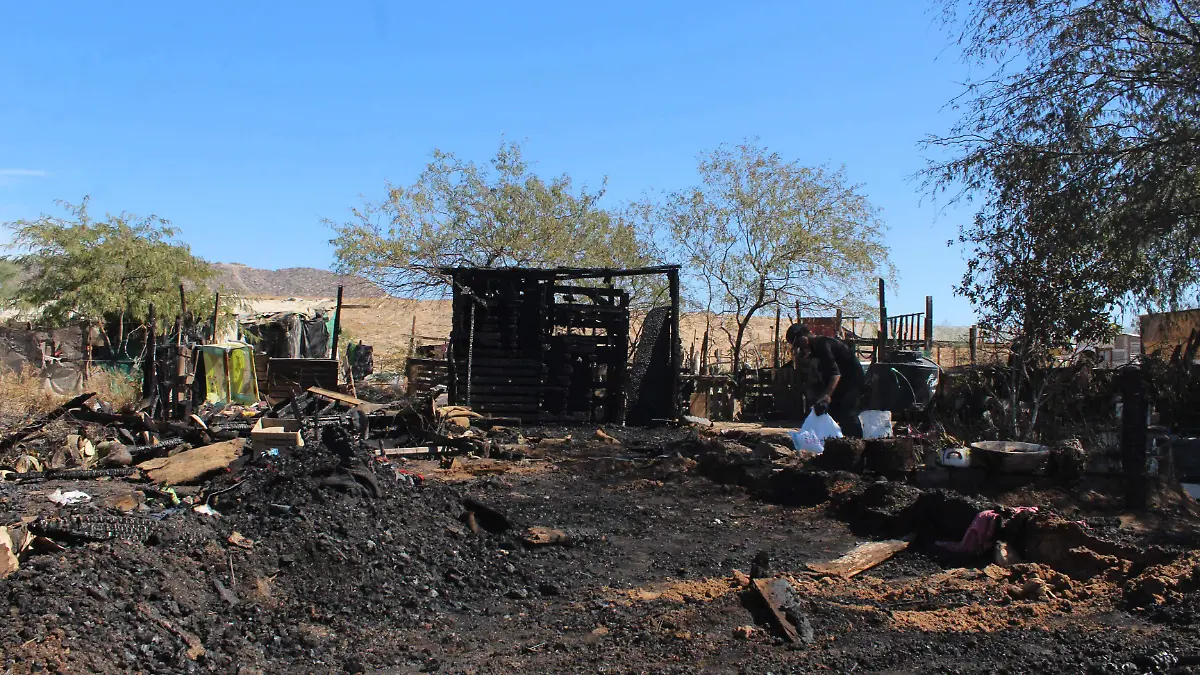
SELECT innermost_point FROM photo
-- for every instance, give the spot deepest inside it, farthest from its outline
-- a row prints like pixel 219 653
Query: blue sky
pixel 246 123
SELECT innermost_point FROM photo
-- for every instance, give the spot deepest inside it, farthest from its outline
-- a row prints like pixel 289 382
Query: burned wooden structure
pixel 552 345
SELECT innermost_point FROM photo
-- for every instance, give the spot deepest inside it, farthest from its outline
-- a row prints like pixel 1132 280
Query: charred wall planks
pixel 540 345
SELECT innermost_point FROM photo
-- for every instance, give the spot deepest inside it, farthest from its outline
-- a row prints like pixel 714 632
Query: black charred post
pixel 881 343
pixel 183 312
pixel 216 313
pixel 1134 409
pixel 775 357
pixel 676 343
pixel 929 323
pixel 150 364
pixel 337 326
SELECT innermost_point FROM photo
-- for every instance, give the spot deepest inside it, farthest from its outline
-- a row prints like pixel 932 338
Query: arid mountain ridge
pixel 298 282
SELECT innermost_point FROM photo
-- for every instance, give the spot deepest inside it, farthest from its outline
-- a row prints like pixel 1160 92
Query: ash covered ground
pixel 643 573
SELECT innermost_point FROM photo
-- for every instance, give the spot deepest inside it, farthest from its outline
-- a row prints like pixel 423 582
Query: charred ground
pixel 336 580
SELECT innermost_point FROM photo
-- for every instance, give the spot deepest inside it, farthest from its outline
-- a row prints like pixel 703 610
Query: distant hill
pixel 298 282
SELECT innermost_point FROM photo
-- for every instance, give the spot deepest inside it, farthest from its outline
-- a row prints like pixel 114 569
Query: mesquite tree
pixel 1086 124
pixel 759 231
pixel 1081 146
pixel 80 268
pixel 460 214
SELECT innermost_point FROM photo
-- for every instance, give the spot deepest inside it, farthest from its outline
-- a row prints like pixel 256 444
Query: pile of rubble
pixel 317 518
pixel 312 536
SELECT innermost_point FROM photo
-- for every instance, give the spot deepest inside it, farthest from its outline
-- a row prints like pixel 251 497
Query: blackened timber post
pixel 1134 409
pixel 182 312
pixel 471 351
pixel 676 348
pixel 775 360
pixel 337 326
pixel 150 363
pixel 929 323
pixel 881 343
pixel 216 313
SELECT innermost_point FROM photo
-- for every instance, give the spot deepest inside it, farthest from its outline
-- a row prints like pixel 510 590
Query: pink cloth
pixel 982 532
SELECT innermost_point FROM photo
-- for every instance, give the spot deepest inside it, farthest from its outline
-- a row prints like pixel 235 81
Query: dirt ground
pixel 646 576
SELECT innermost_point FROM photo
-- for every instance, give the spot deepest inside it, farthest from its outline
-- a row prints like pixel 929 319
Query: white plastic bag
pixel 822 425
pixel 807 441
pixel 811 437
pixel 68 498
pixel 876 423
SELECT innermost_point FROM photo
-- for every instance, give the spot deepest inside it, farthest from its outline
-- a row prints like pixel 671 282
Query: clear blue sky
pixel 246 123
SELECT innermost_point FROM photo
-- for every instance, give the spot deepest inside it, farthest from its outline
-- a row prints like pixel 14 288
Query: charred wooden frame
pixel 540 345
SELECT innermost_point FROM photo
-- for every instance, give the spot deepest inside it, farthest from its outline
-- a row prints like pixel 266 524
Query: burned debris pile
pixel 497 519
pixel 297 546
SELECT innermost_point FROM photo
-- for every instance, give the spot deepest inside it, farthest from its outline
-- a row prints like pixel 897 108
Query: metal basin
pixel 1010 456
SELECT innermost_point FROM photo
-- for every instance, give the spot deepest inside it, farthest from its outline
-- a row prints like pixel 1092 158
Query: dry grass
pixel 25 394
pixel 22 395
pixel 114 387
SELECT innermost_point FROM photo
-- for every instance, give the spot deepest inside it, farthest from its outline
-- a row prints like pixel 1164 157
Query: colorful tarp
pixel 229 373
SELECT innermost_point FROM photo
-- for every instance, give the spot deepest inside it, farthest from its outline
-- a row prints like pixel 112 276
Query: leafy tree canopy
pixel 10 279
pixel 458 213
pixel 758 231
pixel 85 269
pixel 1082 144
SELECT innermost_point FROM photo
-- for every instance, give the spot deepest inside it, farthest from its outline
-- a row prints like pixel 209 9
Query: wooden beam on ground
pixel 861 558
pixel 191 465
pixel 775 596
pixel 416 450
pixel 336 396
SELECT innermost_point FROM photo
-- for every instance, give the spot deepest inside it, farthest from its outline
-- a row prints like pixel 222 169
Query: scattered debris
pixel 862 558
pixel 195 649
pixel 545 536
pixel 277 433
pixel 742 579
pixel 227 596
pixel 28 463
pixel 8 554
pixel 780 598
pixel 126 503
pixel 486 517
pixel 315 489
pixel 113 454
pixel 191 465
pixel 69 498
pixel 605 438
pixel 237 539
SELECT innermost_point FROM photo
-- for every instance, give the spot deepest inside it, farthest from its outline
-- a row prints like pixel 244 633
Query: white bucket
pixel 959 458
pixel 876 423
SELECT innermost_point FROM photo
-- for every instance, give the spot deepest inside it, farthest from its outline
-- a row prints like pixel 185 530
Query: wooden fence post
pixel 1133 436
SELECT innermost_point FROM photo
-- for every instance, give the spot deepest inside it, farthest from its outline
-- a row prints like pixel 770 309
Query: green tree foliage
pixel 458 213
pixel 759 231
pixel 10 279
pixel 1081 147
pixel 93 270
pixel 1039 297
pixel 1083 136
